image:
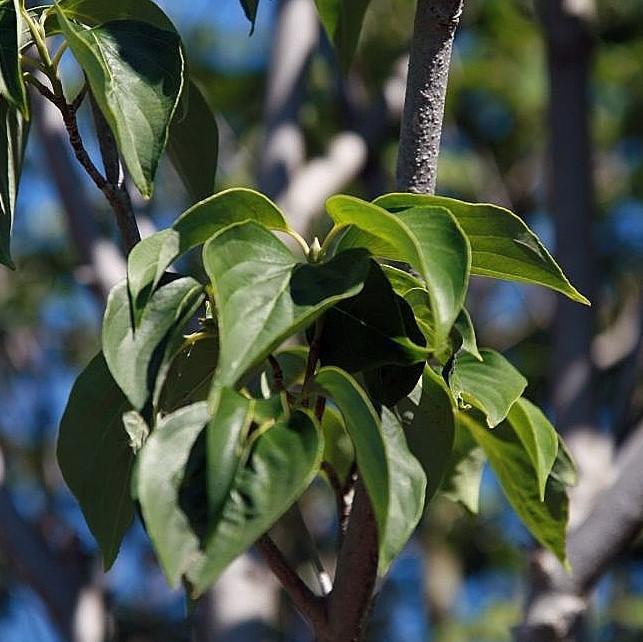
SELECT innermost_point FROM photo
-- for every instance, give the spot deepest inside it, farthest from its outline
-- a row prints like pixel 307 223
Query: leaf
pixel 257 279
pixel 160 469
pixel 429 425
pixel 407 488
pixel 338 447
pixel 133 357
pixel 463 470
pixel 465 329
pixel 502 245
pixel 193 145
pixel 13 141
pixel 250 8
pixel 564 469
pixel 12 87
pixel 365 430
pixel 389 384
pixel 135 72
pixel 538 437
pixel 153 255
pixel 136 428
pixel 547 520
pixel 292 361
pixel 372 329
pixel 97 12
pixel 492 385
pixel 428 239
pixel 342 20
pixel 227 429
pixel 278 466
pixel 95 457
pixel 190 372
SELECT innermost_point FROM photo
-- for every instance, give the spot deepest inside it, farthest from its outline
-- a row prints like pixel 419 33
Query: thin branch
pixel 312 607
pixel 435 25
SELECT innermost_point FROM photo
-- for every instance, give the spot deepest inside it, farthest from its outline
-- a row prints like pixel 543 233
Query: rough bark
pixel 435 24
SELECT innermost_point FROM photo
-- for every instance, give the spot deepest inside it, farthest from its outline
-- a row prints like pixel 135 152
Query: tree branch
pixel 312 607
pixel 435 24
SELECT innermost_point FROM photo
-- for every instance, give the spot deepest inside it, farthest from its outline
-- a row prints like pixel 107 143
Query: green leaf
pixel 463 470
pixel 153 255
pixel 389 384
pixel 133 357
pixel 136 428
pixel 465 329
pixel 372 329
pixel 564 469
pixel 250 8
pixel 502 245
pixel 227 430
pixel 193 145
pixel 292 360
pixel 338 447
pixel 277 468
pixel 160 470
pixel 491 385
pixel 95 457
pixel 429 424
pixel 407 489
pixel 13 141
pixel 97 12
pixel 365 430
pixel 547 520
pixel 135 71
pixel 190 372
pixel 428 239
pixel 257 279
pixel 12 87
pixel 538 437
pixel 342 20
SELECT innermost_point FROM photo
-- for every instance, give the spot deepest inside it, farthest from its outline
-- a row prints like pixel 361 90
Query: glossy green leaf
pixel 276 469
pixel 502 245
pixel 342 20
pixel 463 470
pixel 97 12
pixel 190 372
pixel 95 457
pixel 491 385
pixel 538 437
pixel 546 520
pixel 133 357
pixel 257 279
pixel 135 71
pixel 401 281
pixel 193 145
pixel 12 87
pixel 365 430
pixel 153 255
pixel 372 329
pixel 227 429
pixel 429 424
pixel 338 447
pixel 428 239
pixel 160 470
pixel 407 491
pixel 13 140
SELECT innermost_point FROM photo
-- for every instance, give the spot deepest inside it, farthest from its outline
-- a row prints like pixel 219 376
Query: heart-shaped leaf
pixel 429 239
pixel 275 469
pixel 502 246
pixel 95 456
pixel 135 71
pixel 264 295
